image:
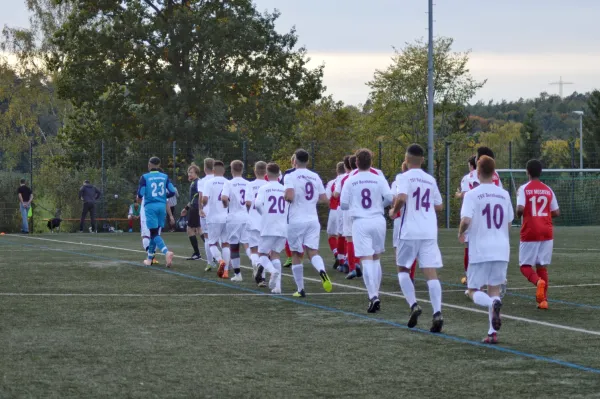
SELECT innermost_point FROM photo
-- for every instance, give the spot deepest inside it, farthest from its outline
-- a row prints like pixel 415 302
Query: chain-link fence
pixel 115 170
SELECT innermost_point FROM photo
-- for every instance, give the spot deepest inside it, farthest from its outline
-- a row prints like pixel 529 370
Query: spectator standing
pixel 89 194
pixel 25 198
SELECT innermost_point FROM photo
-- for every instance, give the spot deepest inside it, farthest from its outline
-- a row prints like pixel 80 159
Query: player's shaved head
pixel 486 166
pixel 260 169
pixel 414 155
pixel 301 157
pixel 353 162
pixel 194 169
pixel 154 161
pixel 237 167
pixel 340 168
pixel 364 159
pixel 219 168
pixel 273 171
pixel 534 168
pixel 209 164
pixel 347 162
pixel 481 151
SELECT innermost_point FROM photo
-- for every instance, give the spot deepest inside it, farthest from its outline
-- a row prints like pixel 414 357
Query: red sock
pixel 341 245
pixel 333 244
pixel 530 274
pixel 543 273
pixel 466 259
pixel 351 257
pixel 413 268
pixel 287 250
pixel 131 223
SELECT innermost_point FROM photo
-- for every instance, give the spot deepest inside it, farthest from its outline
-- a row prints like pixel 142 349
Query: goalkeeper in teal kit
pixel 155 187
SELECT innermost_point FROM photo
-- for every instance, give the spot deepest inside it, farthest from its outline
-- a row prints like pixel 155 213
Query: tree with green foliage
pixel 530 141
pixel 182 70
pixel 591 131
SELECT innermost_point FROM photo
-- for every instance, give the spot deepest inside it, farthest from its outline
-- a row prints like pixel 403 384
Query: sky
pixel 519 46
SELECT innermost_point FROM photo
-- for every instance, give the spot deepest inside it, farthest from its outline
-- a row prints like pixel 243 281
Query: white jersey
pixel 328 188
pixel 200 187
pixel 307 187
pixel 338 183
pixel 491 213
pixel 273 208
pixel 236 190
pixel 212 190
pixel 365 195
pixel 254 218
pixel 419 219
pixel 465 183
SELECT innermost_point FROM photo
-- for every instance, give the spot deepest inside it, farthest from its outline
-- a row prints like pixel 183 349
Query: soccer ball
pixel 116 196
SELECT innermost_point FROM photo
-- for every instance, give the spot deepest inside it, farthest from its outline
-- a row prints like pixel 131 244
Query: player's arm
pixel 345 198
pixel 21 199
pixel 322 195
pixel 170 214
pixel 141 188
pixel 290 192
pixel 259 201
pixel 386 193
pixel 438 203
pixel 520 202
pixel 554 211
pixel 466 216
pixel 225 195
pixel 399 203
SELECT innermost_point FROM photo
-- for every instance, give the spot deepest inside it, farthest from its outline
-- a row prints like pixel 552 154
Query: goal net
pixel 577 192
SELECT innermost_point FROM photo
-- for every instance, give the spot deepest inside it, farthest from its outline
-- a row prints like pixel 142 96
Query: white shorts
pixel 396 232
pixel 486 273
pixel 347 224
pixel 235 233
pixel 536 253
pixel 368 236
pixel 426 252
pixel 204 225
pixel 340 226
pixel 333 222
pixel 270 244
pixel 217 233
pixel 302 235
pixel 252 238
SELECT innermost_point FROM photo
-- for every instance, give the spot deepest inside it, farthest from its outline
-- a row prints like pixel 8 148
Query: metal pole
pixel 102 178
pixel 32 229
pixel 312 155
pixel 580 141
pixel 447 185
pixel 510 165
pixel 430 93
pixel 174 161
pixel 572 179
pixel 245 156
pixel 380 148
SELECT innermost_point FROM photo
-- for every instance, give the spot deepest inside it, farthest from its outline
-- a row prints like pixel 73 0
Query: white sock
pixel 266 263
pixel 408 288
pixel 298 271
pixel 209 254
pixel 435 294
pixel 235 264
pixel 145 243
pixel 318 263
pixel 226 256
pixel 214 251
pixel 378 274
pixel 482 299
pixel 369 276
pixel 277 266
pixel 254 259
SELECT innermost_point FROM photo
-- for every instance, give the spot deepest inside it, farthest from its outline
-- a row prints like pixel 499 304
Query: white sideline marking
pixel 391 294
pixel 66 294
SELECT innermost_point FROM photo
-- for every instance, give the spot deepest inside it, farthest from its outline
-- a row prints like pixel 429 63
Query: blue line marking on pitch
pixel 330 309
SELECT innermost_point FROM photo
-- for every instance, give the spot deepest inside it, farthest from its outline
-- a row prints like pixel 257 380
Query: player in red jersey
pixel 537 204
pixel 334 219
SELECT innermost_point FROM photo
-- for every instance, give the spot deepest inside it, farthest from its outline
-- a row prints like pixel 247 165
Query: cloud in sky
pixel 510 76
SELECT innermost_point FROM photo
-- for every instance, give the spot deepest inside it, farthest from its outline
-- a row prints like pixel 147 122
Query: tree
pixel 530 141
pixel 591 131
pixel 399 95
pixel 185 71
pixel 498 138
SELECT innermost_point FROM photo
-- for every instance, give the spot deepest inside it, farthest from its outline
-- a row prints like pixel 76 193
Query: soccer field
pixel 82 317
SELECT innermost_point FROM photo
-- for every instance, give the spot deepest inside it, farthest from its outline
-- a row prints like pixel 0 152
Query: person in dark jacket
pixel 89 194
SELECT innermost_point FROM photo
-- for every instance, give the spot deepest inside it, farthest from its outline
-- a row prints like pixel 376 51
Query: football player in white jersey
pixel 303 190
pixel 419 199
pixel 398 220
pixel 234 198
pixel 465 185
pixel 209 165
pixel 333 220
pixel 364 196
pixel 254 219
pixel 216 218
pixel 487 214
pixel 272 206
